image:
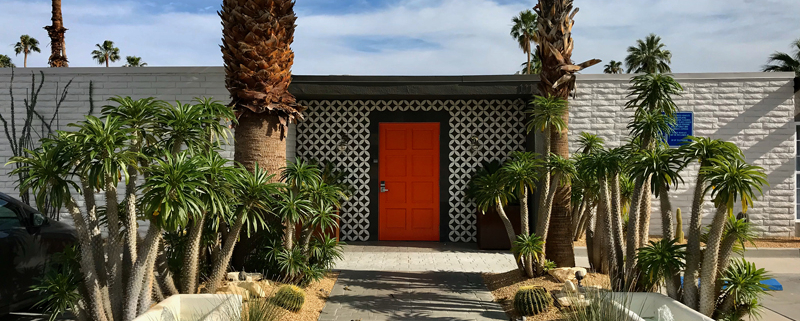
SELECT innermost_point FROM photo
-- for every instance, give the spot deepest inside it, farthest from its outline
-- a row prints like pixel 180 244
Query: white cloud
pixel 467 36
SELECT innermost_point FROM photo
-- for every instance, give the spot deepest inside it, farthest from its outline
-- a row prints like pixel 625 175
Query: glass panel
pixel 5 212
pixel 798 212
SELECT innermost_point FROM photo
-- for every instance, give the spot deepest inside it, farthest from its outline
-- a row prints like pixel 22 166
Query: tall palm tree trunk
pixel 191 256
pixel 58 53
pixel 708 275
pixel 25 60
pixel 221 265
pixel 560 248
pixel 94 303
pixel 693 252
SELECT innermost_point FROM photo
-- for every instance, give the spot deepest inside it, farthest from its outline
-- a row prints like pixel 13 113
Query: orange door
pixel 409 177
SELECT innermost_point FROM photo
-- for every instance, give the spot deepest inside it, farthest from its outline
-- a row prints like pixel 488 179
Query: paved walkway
pixel 415 281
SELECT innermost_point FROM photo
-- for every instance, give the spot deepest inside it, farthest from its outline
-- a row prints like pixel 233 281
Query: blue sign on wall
pixel 684 126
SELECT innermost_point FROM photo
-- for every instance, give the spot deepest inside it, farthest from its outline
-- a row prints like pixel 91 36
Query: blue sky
pixel 416 37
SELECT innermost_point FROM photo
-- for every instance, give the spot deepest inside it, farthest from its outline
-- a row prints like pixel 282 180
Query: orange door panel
pixel 409 173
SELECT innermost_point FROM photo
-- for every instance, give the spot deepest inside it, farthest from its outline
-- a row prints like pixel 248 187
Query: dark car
pixel 27 241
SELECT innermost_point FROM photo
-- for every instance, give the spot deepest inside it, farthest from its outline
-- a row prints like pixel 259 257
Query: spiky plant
pixel 558 80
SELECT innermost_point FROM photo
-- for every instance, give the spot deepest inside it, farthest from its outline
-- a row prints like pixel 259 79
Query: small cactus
pixel 679 229
pixel 532 300
pixel 289 297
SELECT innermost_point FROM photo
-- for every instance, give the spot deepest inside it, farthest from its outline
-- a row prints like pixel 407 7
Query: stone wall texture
pixel 754 110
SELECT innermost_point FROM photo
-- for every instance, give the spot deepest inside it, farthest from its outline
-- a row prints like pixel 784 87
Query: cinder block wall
pixel 753 110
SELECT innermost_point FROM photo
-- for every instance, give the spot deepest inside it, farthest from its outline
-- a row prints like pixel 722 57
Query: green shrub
pixel 59 286
pixel 532 300
pixel 290 298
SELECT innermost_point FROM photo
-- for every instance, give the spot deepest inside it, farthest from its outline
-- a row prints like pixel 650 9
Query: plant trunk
pixel 693 252
pixel 559 239
pixel 633 230
pixel 132 233
pixel 601 239
pixel 191 256
pixel 258 139
pixel 608 227
pixel 115 248
pixel 525 227
pixel 25 60
pixel 645 212
pixel 577 218
pixel 221 266
pixel 529 54
pixel 288 237
pixel 667 219
pixel 708 274
pixel 307 233
pixel 616 220
pixel 58 54
pixel 94 301
pixel 588 218
pixel 509 231
pixel 136 277
pixel 165 278
pixel 546 218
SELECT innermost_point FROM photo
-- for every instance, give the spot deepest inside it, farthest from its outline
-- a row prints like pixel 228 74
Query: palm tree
pixel 171 197
pixel 257 36
pixel 702 150
pixel 648 56
pixel 663 168
pixel 784 62
pixel 5 62
pixel 613 67
pixel 729 181
pixel 106 53
pixel 49 169
pixel 521 172
pixel 133 61
pixel 536 65
pixel 555 45
pixel 58 52
pixel 25 46
pixel 298 176
pixel 254 194
pixel 523 30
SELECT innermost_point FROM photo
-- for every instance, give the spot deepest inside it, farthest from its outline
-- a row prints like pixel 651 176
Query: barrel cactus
pixel 289 297
pixel 532 300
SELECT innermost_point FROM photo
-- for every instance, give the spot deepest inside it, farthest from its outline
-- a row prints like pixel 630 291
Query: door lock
pixel 383 187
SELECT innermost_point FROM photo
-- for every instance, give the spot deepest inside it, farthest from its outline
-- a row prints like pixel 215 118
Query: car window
pixel 8 218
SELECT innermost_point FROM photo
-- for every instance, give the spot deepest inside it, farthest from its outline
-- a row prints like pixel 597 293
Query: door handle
pixel 383 187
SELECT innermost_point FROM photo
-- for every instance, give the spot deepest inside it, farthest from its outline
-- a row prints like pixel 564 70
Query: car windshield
pixel 6 212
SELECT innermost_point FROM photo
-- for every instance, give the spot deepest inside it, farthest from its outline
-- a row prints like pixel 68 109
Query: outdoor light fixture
pixel 579 275
pixel 475 143
pixel 344 140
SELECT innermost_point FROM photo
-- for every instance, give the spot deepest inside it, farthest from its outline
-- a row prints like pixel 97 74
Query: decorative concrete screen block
pixel 754 111
pixel 196 307
pixel 498 124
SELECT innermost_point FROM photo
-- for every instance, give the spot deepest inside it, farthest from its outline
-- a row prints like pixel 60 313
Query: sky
pixel 415 37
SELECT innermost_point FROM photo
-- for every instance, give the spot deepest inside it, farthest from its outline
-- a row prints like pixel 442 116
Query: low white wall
pixel 753 110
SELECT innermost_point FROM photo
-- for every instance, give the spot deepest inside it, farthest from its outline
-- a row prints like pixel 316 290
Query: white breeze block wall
pixel 753 110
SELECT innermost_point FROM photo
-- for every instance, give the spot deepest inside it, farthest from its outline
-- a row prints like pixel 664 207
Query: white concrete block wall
pixel 753 110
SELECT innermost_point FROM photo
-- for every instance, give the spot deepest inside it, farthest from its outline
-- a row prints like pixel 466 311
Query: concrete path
pixel 415 281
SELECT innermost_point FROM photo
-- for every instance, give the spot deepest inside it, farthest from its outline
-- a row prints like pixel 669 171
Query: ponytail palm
pixel 590 143
pixel 702 150
pixel 562 171
pixel 183 124
pixel 491 191
pixel 653 93
pixel 729 182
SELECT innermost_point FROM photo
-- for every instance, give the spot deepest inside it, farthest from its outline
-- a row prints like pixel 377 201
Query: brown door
pixel 409 177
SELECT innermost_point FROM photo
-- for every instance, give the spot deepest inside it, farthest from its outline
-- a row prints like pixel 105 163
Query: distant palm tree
pixel 784 61
pixel 536 65
pixel 134 61
pixel 26 45
pixel 524 31
pixel 648 56
pixel 5 62
pixel 613 67
pixel 106 53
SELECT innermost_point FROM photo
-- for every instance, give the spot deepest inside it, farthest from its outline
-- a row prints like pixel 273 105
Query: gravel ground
pixel 505 285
